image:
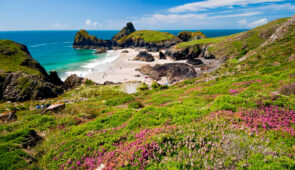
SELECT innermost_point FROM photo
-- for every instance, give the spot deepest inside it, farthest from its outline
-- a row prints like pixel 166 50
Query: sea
pixel 54 50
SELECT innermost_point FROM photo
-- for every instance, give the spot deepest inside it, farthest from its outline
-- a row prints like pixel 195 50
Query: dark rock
pixel 55 107
pixel 153 49
pixel 73 81
pixel 288 89
pixel 183 53
pixel 173 71
pixel 31 139
pixel 162 56
pixel 55 79
pixel 129 29
pixel 195 61
pixel 86 41
pixel 144 56
pixel 108 83
pixel 125 51
pixel 8 116
pixel 19 86
pixel 101 50
pixel 189 36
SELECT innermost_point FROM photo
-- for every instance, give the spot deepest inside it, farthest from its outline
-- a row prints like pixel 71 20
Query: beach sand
pixel 123 68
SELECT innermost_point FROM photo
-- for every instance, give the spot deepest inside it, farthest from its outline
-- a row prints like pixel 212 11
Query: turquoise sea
pixel 53 49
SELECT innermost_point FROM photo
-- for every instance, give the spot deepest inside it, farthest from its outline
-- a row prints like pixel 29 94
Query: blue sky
pixel 145 14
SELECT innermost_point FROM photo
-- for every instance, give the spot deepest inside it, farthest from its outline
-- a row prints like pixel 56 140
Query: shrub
pixel 135 105
pixel 142 87
pixel 155 85
pixel 288 89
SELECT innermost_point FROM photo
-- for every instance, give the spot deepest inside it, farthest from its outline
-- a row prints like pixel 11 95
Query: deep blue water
pixel 53 49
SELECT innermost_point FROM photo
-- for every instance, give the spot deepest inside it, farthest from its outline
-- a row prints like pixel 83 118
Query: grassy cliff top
pixel 148 36
pixel 12 55
pixel 83 34
pixel 234 118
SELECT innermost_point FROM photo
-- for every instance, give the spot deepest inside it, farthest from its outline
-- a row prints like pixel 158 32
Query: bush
pixel 155 85
pixel 288 89
pixel 135 105
pixel 142 87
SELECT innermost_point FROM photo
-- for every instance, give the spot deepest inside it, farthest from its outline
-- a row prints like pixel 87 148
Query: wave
pixel 38 45
pixel 95 65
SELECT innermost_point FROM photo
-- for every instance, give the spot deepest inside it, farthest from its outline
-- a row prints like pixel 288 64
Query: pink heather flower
pixel 233 91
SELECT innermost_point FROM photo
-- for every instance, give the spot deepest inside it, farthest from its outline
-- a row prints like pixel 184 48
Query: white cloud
pixel 187 18
pixel 243 22
pixel 258 23
pixel 212 4
pixel 88 22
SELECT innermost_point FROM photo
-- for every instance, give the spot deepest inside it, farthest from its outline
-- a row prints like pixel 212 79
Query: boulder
pixel 30 139
pixel 183 53
pixel 125 51
pixel 129 29
pixel 173 71
pixel 73 81
pixel 85 41
pixel 162 56
pixel 55 107
pixel 194 61
pixel 101 50
pixel 8 116
pixel 144 56
pixel 152 49
pixel 55 79
pixel 189 36
pixel 19 86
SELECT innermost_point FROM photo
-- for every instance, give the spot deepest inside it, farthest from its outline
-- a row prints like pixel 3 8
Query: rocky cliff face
pixel 189 36
pixel 86 41
pixel 23 78
pixel 129 29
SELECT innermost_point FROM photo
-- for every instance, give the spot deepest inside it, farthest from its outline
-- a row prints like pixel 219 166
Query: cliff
pixel 84 40
pixel 21 77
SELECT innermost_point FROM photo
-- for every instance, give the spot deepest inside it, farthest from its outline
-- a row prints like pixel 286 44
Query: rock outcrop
pixel 194 61
pixel 162 56
pixel 73 81
pixel 101 50
pixel 19 86
pixel 55 79
pixel 144 56
pixel 173 71
pixel 189 36
pixel 85 41
pixel 151 40
pixel 129 29
pixel 55 107
pixel 8 116
pixel 23 78
pixel 183 53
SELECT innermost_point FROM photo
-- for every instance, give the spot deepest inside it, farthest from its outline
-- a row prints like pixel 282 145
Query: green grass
pixel 200 41
pixel 197 135
pixel 148 36
pixel 12 62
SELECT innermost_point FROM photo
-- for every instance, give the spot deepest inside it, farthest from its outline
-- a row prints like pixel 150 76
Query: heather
pixel 236 117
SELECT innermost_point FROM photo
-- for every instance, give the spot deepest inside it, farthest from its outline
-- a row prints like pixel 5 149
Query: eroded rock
pixel 144 56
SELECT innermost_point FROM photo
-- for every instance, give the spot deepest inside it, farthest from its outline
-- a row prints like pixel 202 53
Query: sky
pixel 145 14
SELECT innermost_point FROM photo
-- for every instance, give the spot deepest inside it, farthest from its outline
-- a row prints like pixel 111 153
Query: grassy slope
pixel 187 121
pixel 11 63
pixel 148 36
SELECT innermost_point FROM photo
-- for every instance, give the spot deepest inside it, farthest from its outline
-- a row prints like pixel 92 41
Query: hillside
pixel 23 78
pixel 239 117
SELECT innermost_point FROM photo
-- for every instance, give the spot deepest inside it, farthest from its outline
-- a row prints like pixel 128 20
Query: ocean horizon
pixel 54 51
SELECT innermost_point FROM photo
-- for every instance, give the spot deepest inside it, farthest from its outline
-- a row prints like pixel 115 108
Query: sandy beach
pixel 123 68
